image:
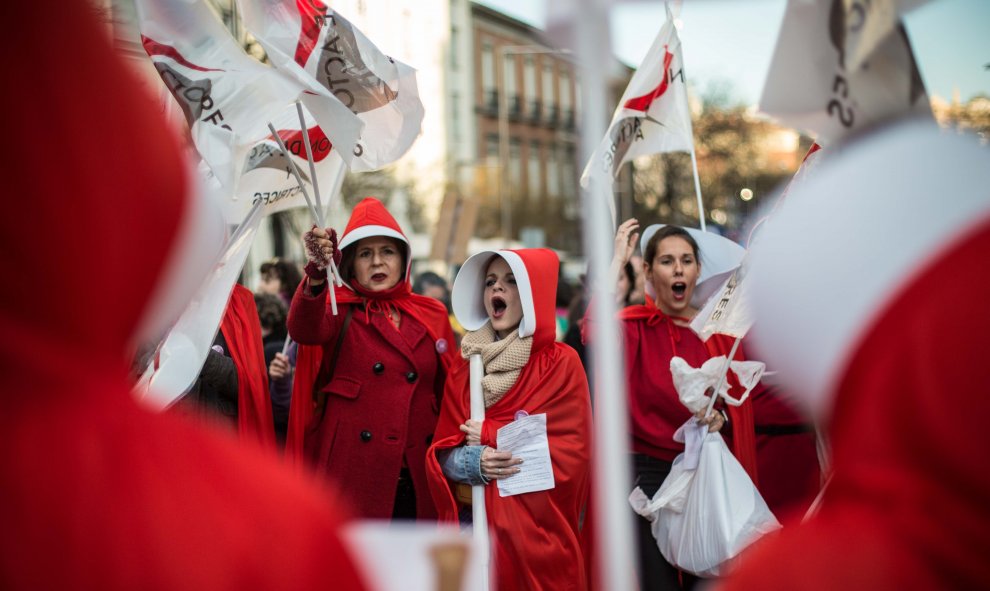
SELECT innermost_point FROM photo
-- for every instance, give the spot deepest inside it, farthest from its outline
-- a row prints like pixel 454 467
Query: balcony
pixel 568 120
pixel 535 111
pixel 489 105
pixel 553 116
pixel 515 107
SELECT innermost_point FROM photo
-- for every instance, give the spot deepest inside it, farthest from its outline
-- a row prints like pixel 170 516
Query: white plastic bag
pixel 703 518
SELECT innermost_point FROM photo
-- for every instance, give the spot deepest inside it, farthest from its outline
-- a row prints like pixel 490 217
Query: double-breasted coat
pixel 382 402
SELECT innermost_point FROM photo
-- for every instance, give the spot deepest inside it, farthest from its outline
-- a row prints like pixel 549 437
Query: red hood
pixel 895 370
pixel 535 270
pixel 370 218
pixel 119 225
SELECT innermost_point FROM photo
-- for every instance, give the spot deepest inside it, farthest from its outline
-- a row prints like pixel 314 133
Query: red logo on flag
pixel 643 103
pixel 317 140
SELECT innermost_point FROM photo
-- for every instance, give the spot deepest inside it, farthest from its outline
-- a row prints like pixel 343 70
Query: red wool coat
pixel 382 402
pixel 536 538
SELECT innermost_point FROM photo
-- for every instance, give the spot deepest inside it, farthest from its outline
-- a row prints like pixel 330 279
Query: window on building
pixel 548 85
pixel 568 174
pixel 515 166
pixel 487 68
pixel 564 90
pixel 529 79
pixel 553 172
pixel 509 73
pixel 534 179
pixel 491 149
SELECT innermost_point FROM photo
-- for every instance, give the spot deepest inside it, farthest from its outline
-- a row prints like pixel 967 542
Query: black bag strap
pixel 318 394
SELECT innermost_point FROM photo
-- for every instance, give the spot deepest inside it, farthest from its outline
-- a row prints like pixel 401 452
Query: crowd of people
pixel 375 401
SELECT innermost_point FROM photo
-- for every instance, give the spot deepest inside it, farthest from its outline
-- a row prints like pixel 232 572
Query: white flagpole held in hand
pixel 479 517
pixel 317 214
pixel 317 217
pixel 309 157
pixel 722 375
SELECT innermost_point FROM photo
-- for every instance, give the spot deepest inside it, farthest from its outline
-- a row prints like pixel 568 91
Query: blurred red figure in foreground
pixel 97 492
pixel 870 285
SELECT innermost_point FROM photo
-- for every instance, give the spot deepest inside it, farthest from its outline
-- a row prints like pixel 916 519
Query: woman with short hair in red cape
pixel 505 299
pixel 369 378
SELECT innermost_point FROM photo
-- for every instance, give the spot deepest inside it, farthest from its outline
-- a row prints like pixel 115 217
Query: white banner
pixel 181 356
pixel 652 116
pixel 813 85
pixel 315 43
pixel 227 96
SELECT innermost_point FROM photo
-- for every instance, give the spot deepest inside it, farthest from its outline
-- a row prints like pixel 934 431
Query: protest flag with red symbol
pixel 316 44
pixel 229 98
pixel 652 116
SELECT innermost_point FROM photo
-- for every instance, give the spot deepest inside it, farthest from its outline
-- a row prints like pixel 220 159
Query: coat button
pixel 366 436
pixel 411 377
pixel 378 368
pixel 429 439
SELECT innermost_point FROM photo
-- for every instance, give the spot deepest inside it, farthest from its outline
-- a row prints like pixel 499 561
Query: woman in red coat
pixel 367 389
pixel 654 333
pixel 506 301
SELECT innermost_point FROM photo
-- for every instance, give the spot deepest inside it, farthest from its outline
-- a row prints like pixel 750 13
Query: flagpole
pixel 295 172
pixel 479 516
pixel 722 375
pixel 615 552
pixel 338 182
pixel 309 157
pixel 697 184
pixel 318 218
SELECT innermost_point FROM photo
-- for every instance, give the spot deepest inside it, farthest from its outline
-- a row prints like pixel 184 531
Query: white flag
pixel 728 311
pixel 652 116
pixel 869 24
pixel 227 96
pixel 316 43
pixel 267 177
pixel 814 84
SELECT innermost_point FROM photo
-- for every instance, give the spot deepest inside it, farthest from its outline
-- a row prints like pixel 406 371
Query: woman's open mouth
pixel 679 289
pixel 498 307
pixel 378 277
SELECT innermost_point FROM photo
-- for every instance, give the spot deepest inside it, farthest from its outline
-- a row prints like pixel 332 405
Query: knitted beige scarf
pixel 503 359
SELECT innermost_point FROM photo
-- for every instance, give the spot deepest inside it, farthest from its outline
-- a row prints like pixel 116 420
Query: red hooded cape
pixel 901 390
pixel 241 329
pixel 743 441
pixel 536 538
pixel 369 218
pixel 98 492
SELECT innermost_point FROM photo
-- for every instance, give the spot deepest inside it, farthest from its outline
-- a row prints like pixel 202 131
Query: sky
pixel 730 42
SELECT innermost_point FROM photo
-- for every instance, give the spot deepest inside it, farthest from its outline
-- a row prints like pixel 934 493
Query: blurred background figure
pixel 273 313
pixel 99 492
pixel 280 277
pixel 434 286
pixel 232 388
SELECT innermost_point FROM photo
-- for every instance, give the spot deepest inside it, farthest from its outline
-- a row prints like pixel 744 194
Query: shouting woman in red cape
pixel 676 262
pixel 369 379
pixel 505 299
